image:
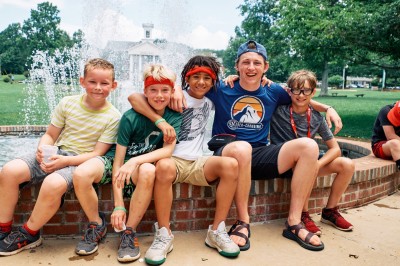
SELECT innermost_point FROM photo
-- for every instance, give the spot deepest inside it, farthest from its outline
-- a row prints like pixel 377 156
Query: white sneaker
pixel 161 246
pixel 220 240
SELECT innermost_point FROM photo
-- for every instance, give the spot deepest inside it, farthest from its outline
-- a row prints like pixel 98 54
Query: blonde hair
pixel 298 78
pixel 97 63
pixel 159 72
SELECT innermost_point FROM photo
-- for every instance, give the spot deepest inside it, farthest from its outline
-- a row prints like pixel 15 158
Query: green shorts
pixel 107 176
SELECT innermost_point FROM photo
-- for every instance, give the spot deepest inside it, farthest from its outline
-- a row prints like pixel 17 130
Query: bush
pixel 336 81
pixel 6 79
pixel 26 74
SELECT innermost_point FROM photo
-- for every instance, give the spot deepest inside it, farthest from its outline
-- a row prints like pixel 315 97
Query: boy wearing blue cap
pixel 245 111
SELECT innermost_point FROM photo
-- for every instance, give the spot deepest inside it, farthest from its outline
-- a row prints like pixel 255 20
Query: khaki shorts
pixel 191 172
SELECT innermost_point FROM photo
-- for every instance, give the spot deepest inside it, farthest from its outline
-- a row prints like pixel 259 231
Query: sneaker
pixel 333 217
pixel 220 240
pixel 93 234
pixel 3 235
pixel 129 247
pixel 309 224
pixel 17 241
pixel 161 246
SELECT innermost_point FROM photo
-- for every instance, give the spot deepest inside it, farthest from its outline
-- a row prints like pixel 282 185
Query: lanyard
pixel 308 121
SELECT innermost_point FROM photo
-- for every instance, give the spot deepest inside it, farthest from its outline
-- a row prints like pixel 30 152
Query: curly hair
pixel 201 60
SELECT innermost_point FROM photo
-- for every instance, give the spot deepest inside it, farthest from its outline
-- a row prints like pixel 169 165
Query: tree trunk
pixel 324 81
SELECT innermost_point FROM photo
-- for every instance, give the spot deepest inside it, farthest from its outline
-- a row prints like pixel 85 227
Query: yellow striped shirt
pixel 81 127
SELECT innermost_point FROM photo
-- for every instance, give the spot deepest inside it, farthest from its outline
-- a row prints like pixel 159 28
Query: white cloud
pixel 201 37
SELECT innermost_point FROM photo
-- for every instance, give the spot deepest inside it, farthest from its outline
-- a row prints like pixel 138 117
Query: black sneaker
pixel 17 241
pixel 93 234
pixel 129 247
pixel 3 235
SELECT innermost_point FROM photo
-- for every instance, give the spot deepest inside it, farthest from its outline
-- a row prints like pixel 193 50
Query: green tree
pixel 42 29
pixel 310 28
pixel 13 52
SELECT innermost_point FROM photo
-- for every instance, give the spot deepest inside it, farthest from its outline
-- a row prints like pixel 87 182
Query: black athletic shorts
pixel 264 162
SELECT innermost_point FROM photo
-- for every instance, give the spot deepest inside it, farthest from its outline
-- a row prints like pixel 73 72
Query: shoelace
pixel 222 237
pixel 91 234
pixel 305 218
pixel 160 242
pixel 127 240
pixel 14 237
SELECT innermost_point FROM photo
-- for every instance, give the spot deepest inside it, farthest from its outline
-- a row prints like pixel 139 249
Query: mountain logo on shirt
pixel 247 113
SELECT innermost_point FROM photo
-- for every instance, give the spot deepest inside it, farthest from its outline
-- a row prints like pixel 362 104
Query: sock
pixel 30 231
pixel 398 164
pixel 6 227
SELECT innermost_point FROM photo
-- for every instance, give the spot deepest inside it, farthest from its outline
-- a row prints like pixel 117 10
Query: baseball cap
pixel 394 115
pixel 259 49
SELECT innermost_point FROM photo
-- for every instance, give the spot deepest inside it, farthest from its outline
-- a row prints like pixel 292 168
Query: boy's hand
pixel 266 81
pixel 333 116
pixel 57 162
pixel 229 80
pixel 118 219
pixel 178 101
pixel 124 174
pixel 168 132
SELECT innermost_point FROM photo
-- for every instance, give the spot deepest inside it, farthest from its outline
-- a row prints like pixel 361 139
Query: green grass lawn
pixel 358 114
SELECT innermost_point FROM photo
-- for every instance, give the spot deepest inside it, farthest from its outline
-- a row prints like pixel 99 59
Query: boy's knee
pixel 238 149
pixel 165 170
pixel 147 173
pixel 347 164
pixel 53 187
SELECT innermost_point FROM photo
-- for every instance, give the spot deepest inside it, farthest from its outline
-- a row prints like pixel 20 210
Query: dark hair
pixel 201 60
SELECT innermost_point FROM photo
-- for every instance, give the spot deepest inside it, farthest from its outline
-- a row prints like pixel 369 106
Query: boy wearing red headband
pixel 188 165
pixel 300 120
pixel 386 133
pixel 139 145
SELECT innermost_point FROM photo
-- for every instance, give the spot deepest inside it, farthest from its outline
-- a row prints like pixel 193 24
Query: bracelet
pixel 118 208
pixel 328 108
pixel 159 121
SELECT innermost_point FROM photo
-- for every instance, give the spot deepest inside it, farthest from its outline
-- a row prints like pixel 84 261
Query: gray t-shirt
pixel 282 131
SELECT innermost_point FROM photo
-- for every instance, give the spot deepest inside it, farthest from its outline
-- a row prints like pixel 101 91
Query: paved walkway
pixel 375 241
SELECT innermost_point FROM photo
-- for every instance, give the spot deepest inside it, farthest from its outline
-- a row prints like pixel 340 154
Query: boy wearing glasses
pixel 299 119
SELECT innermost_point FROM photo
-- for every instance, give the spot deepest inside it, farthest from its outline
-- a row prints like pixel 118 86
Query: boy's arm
pixel 332 153
pixel 331 115
pixel 178 100
pixel 118 217
pixel 61 161
pixel 139 104
pixel 390 133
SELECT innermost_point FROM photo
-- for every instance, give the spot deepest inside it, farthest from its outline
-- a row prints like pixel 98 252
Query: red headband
pixel 151 81
pixel 204 69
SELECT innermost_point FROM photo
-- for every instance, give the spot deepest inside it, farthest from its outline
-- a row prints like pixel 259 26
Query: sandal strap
pixel 239 225
pixel 297 228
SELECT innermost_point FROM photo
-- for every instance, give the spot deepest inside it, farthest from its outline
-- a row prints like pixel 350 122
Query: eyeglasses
pixel 306 92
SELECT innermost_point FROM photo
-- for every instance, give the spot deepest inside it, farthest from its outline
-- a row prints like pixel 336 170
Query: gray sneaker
pixel 129 247
pixel 161 246
pixel 220 240
pixel 93 235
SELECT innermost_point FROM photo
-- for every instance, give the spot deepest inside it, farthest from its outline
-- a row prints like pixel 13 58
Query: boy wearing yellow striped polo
pixel 82 127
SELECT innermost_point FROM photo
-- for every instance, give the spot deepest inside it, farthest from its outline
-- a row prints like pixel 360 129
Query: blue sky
pixel 200 24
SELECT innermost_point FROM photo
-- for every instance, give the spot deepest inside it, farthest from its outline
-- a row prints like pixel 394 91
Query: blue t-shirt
pixel 247 114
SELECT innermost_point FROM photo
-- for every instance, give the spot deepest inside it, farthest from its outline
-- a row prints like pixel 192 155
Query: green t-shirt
pixel 140 135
